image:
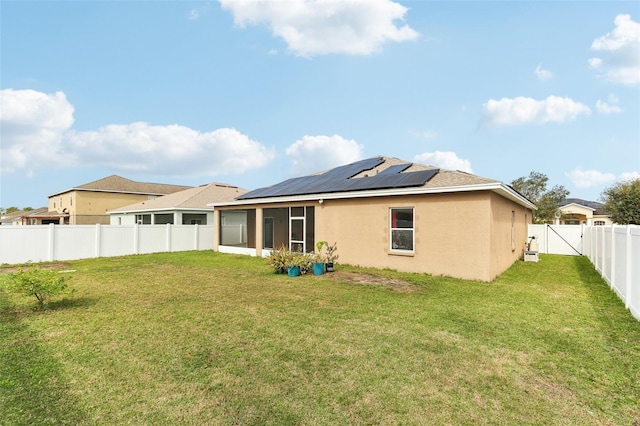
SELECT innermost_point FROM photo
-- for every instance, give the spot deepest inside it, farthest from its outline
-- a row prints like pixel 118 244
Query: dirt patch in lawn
pixel 368 279
pixel 54 266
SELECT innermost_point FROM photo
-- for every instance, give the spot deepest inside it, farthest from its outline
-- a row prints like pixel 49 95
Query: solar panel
pixel 398 168
pixel 341 179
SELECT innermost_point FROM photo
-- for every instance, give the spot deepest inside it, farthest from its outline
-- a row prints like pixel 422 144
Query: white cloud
pixel 629 176
pixel 36 132
pixel 521 110
pixel 609 107
pixel 589 178
pixel 446 160
pixel 315 153
pixel 171 150
pixel 622 64
pixel 32 125
pixel 321 27
pixel 543 75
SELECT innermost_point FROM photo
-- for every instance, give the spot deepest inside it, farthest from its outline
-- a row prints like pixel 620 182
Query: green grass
pixel 208 338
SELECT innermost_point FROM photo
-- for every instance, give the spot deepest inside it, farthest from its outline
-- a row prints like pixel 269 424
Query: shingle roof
pixel 370 171
pixel 192 198
pixel 117 183
pixel 598 207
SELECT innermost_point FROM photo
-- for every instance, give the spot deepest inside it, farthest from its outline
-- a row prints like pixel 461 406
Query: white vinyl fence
pixel 614 251
pixel 42 243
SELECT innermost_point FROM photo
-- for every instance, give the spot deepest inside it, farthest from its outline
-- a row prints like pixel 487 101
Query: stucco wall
pixel 502 253
pixel 452 233
pixel 464 235
pixel 90 207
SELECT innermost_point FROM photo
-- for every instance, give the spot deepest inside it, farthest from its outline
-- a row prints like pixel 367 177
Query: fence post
pixel 98 237
pixel 52 245
pixel 627 302
pixel 168 237
pixel 612 266
pixel 136 238
pixel 196 238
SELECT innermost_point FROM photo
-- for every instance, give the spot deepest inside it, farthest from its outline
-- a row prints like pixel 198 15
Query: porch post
pixel 216 229
pixel 259 231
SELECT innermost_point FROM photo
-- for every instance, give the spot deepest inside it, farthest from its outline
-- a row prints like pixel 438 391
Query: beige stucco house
pixel 89 203
pixel 187 207
pixel 575 211
pixel 386 213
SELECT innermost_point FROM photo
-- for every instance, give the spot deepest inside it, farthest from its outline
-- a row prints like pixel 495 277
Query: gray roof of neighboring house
pixel 39 212
pixel 192 198
pixel 377 176
pixel 116 183
pixel 596 206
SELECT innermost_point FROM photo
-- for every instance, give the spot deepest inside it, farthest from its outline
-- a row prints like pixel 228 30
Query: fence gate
pixel 558 239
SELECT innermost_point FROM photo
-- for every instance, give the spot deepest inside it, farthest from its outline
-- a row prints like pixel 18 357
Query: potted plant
pixel 279 259
pixel 331 256
pixel 317 259
pixel 294 264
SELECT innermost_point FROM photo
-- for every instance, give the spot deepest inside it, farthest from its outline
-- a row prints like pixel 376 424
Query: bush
pixel 37 282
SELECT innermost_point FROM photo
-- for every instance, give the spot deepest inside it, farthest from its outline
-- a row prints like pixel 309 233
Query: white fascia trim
pixel 577 205
pixel 497 187
pixel 163 210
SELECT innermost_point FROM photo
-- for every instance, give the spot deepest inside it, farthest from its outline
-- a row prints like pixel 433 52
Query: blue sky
pixel 252 92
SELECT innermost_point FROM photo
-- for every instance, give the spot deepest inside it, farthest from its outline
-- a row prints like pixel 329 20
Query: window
pixel 71 199
pixel 599 223
pixel 402 229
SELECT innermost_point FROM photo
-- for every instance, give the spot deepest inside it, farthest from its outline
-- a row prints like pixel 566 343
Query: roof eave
pixel 497 187
pixel 162 209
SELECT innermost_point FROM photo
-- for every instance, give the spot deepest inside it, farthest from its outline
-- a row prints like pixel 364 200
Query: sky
pixel 252 92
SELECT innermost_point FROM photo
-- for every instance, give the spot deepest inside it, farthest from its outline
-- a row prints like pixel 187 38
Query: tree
pixel 534 188
pixel 11 210
pixel 622 202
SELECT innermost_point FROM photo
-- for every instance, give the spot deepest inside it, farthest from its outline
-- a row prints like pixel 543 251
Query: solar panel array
pixel 340 180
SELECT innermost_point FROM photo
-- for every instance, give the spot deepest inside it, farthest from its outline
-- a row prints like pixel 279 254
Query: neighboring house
pixel 188 207
pixel 386 213
pixel 89 203
pixel 575 211
pixel 40 216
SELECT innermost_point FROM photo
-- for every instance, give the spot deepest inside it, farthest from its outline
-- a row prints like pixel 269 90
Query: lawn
pixel 206 338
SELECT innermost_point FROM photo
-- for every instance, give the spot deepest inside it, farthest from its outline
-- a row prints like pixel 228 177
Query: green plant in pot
pixel 317 259
pixel 279 259
pixel 331 256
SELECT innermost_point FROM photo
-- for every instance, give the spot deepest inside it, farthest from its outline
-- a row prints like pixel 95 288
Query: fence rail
pixel 614 250
pixel 42 243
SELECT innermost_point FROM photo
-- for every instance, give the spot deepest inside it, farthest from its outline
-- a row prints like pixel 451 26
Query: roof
pixel 192 198
pixel 115 183
pixel 42 212
pixel 376 176
pixel 594 205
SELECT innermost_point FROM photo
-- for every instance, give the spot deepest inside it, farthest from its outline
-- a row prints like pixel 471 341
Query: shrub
pixel 40 283
pixel 280 259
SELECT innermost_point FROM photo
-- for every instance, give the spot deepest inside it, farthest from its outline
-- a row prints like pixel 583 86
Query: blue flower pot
pixel 293 271
pixel 318 268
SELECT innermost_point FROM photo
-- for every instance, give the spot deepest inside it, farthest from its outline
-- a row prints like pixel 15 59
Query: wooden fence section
pixel 21 244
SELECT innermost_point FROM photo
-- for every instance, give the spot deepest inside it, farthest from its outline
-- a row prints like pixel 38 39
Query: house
pixel 89 203
pixel 386 213
pixel 575 211
pixel 187 207
pixel 39 216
